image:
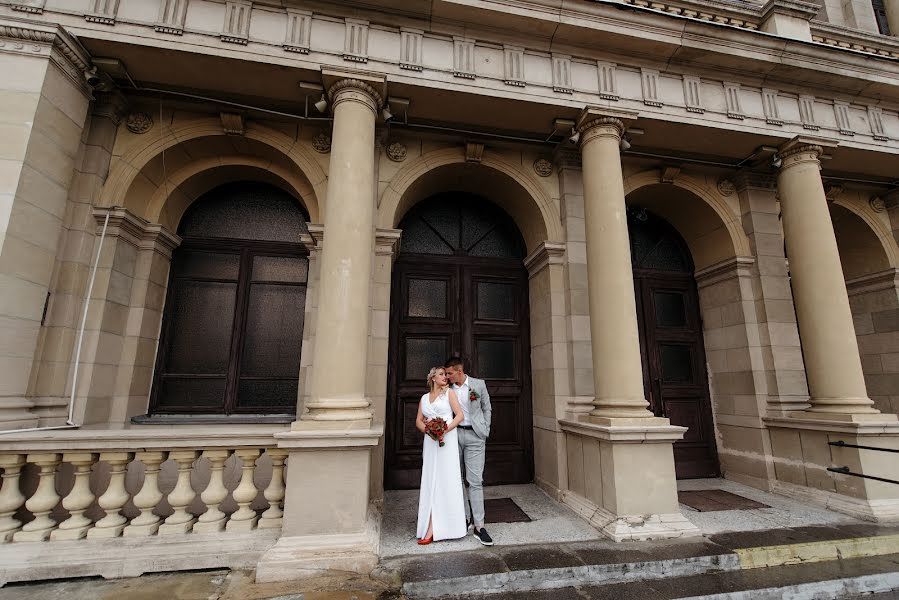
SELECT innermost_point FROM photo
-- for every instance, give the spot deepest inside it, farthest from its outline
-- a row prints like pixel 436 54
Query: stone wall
pixel 874 300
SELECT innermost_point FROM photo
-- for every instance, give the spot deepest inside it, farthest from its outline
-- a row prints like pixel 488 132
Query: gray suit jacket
pixel 480 410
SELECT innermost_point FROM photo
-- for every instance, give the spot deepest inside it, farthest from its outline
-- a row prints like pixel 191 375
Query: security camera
pixel 99 80
pixel 92 77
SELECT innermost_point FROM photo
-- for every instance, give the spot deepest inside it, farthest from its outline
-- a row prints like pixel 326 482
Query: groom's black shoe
pixel 482 536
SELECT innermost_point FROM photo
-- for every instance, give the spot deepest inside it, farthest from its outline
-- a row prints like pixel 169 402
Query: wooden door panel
pixel 674 366
pixel 485 321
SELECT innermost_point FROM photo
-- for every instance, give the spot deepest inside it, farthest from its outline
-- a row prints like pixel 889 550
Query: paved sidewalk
pixel 206 585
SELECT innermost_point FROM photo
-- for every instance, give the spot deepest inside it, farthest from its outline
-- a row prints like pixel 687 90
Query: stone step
pixel 844 579
pixel 505 570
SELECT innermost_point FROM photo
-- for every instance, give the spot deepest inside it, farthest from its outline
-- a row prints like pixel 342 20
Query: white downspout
pixel 70 424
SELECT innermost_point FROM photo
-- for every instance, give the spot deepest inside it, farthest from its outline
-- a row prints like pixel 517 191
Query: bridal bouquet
pixel 436 428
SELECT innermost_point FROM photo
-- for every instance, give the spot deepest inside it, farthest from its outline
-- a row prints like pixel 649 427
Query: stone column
pixel 620 468
pixel 833 367
pixel 327 522
pixel 338 399
pixel 892 10
pixel 617 369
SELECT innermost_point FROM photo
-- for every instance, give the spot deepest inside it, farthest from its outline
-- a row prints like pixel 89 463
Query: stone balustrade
pixel 141 509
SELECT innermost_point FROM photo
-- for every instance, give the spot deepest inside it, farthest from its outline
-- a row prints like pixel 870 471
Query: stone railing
pixel 85 505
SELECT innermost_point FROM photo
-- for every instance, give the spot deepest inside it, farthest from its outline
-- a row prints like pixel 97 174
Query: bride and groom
pixel 446 510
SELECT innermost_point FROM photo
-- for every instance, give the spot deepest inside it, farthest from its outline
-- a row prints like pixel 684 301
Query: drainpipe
pixel 70 422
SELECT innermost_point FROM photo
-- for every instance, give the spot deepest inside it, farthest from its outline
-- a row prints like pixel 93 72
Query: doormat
pixel 504 510
pixel 712 500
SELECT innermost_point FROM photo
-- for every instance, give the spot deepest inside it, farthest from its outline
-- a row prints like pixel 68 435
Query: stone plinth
pixel 328 523
pixel 621 477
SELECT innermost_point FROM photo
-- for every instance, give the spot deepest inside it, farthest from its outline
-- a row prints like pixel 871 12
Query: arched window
pixel 233 323
pixel 655 245
pixel 462 225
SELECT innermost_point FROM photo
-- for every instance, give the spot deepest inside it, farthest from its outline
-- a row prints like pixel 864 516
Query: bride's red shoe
pixel 425 541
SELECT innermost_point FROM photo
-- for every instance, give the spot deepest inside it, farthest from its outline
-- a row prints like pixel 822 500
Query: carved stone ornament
pixel 877 204
pixel 726 187
pixel 322 143
pixel 396 152
pixel 139 122
pixel 543 167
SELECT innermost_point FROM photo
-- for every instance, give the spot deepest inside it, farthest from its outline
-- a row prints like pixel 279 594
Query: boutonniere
pixel 473 395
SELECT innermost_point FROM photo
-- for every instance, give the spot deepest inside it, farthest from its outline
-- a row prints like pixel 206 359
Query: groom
pixel 473 433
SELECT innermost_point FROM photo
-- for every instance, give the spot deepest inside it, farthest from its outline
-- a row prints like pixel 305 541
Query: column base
pixel 624 483
pixel 803 452
pixel 306 556
pixel 624 528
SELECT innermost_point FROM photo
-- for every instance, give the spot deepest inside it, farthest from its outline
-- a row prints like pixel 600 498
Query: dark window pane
pixel 656 245
pixel 210 265
pixel 421 355
pixel 496 301
pixel 667 256
pixel 274 330
pixel 444 218
pixel 248 211
pixel 418 238
pixel 677 363
pixel 496 359
pixel 427 298
pixel 289 269
pixel 196 394
pixel 670 309
pixel 267 395
pixel 496 244
pixel 433 226
pixel 201 319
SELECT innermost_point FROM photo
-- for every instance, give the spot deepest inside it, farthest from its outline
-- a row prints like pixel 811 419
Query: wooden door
pixel 459 294
pixel 671 343
pixel 674 368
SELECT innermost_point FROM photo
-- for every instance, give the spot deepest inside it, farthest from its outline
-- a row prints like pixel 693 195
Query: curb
pixel 791 554
pixel 819 590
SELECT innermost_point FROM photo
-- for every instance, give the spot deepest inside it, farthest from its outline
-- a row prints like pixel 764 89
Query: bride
pixel 441 508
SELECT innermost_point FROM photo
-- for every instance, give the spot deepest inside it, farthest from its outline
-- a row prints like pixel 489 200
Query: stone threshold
pixel 504 570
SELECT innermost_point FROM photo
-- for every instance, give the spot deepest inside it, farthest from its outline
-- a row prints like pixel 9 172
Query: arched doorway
pixel 460 288
pixel 671 344
pixel 233 322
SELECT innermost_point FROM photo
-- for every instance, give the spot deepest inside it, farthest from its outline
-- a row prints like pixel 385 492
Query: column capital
pixel 112 105
pixel 365 88
pixel 803 149
pixel 547 253
pixel 123 224
pixel 387 242
pixel 600 122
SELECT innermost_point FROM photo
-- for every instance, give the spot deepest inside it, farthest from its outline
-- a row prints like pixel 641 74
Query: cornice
pixel 547 253
pixel 141 234
pixel 738 266
pixel 30 37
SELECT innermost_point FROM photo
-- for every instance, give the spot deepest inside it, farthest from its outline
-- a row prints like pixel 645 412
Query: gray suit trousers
pixel 472 452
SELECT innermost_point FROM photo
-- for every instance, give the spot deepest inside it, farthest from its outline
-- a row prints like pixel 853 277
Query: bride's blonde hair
pixel 431 375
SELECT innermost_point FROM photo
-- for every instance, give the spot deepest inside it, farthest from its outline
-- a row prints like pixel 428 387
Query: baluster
pixel 274 493
pixel 42 502
pixel 181 521
pixel 11 498
pixel 244 518
pixel 214 494
pixel 79 499
pixel 148 498
pixel 114 498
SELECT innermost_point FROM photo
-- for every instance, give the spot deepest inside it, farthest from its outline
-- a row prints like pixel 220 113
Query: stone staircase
pixel 808 562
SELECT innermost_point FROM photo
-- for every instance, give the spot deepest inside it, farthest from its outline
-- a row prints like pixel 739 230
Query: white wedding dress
pixel 440 496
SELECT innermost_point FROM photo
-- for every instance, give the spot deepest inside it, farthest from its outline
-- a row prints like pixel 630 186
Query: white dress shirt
pixel 462 392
